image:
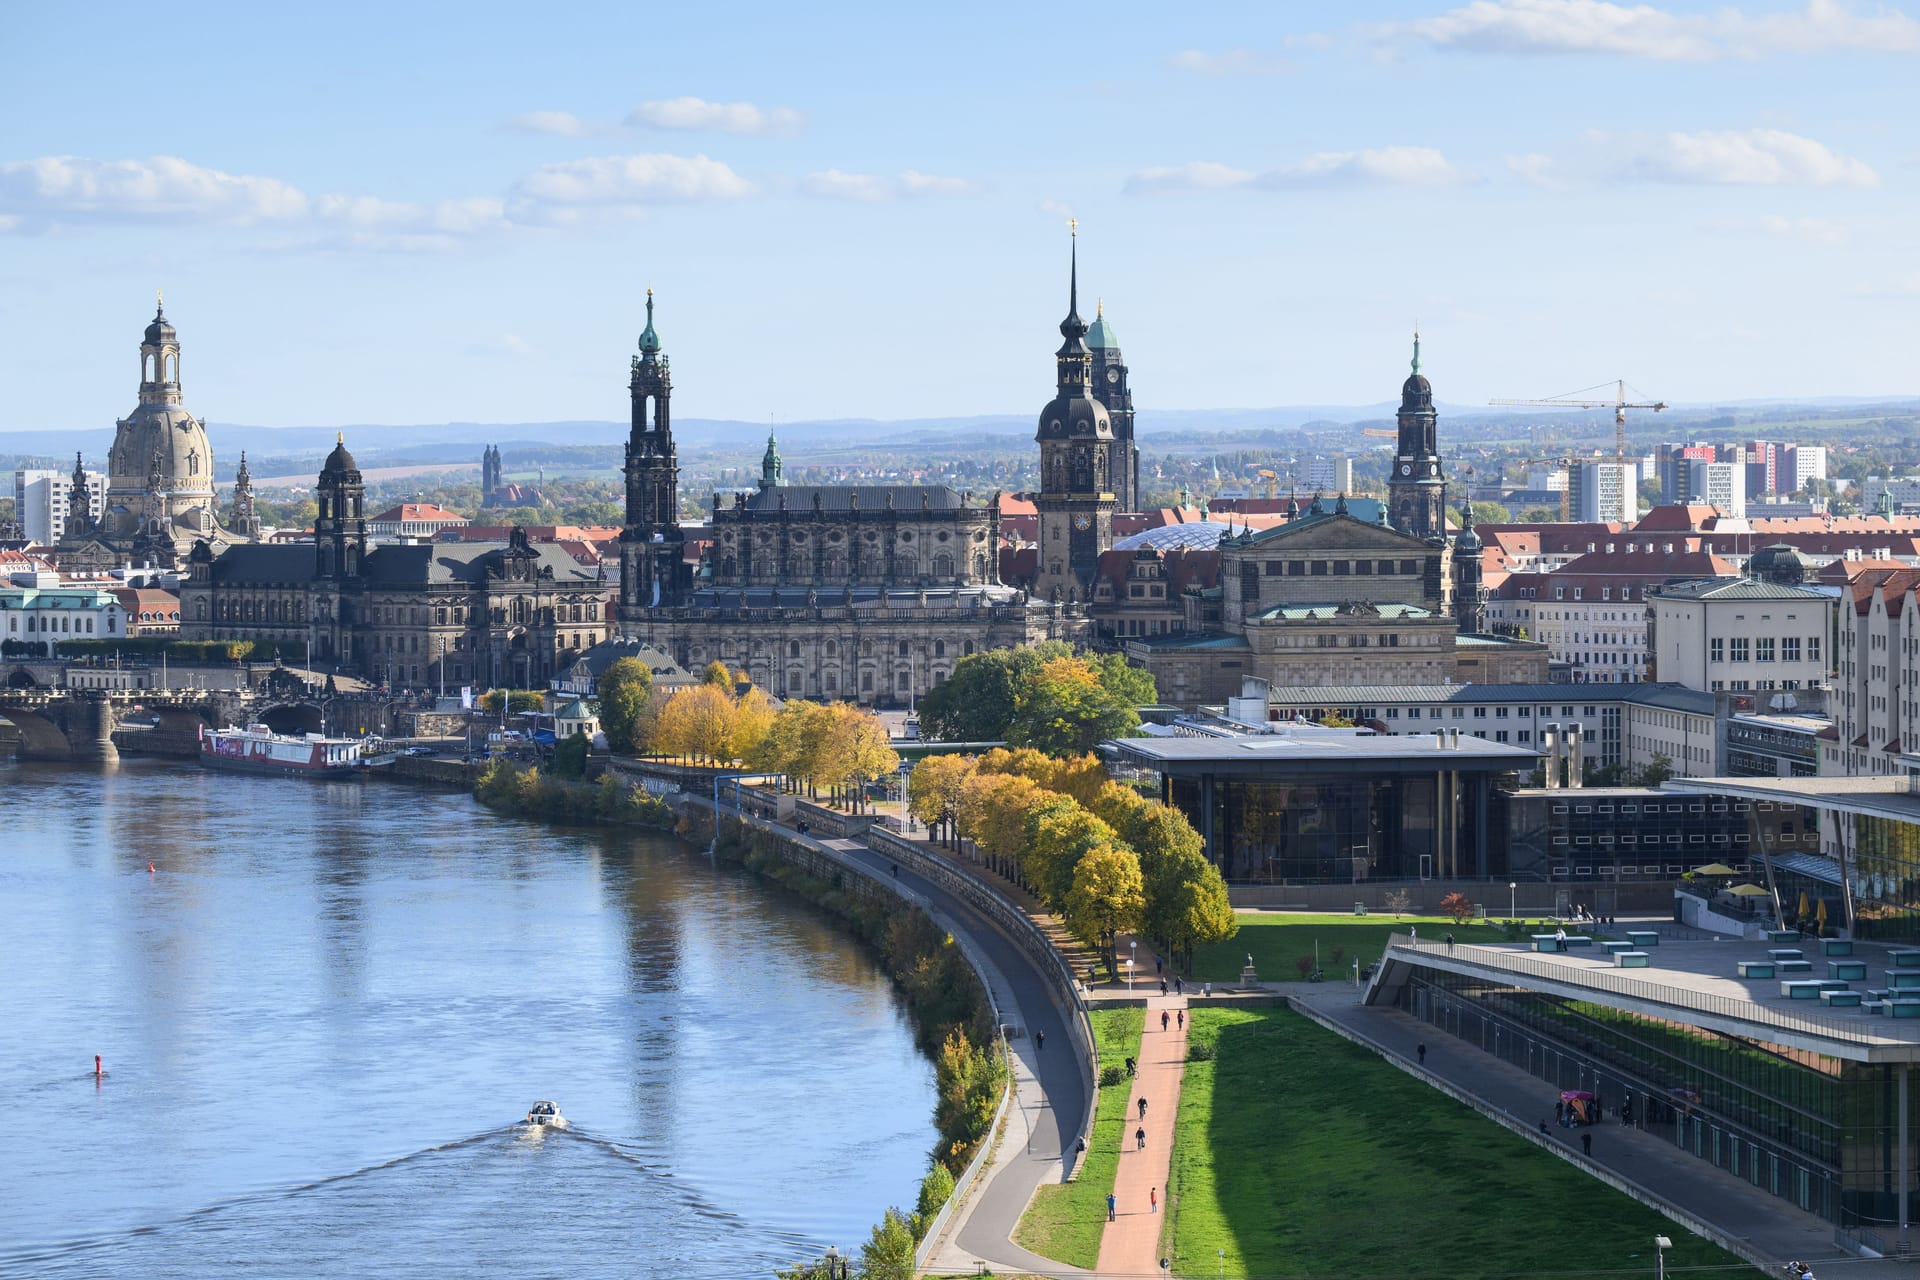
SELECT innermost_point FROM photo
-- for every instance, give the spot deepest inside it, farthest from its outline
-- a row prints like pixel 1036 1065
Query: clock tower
pixel 1416 490
pixel 653 572
pixel 1077 447
pixel 1111 388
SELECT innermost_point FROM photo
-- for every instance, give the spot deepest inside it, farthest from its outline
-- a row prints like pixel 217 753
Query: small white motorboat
pixel 545 1115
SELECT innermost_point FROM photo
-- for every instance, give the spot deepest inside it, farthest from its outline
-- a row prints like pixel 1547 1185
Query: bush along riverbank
pixel 531 792
pixel 952 1019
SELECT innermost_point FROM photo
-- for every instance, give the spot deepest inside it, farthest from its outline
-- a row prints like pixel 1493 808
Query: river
pixel 324 1009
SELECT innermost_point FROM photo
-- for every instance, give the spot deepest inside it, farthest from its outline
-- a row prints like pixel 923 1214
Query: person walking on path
pixel 1178 988
pixel 1140 1138
pixel 1181 1018
pixel 1163 986
pixel 1586 1143
pixel 1113 1204
pixel 1413 931
pixel 1039 1041
pixel 1421 1050
pixel 1153 1199
pixel 1159 967
pixel 1164 1019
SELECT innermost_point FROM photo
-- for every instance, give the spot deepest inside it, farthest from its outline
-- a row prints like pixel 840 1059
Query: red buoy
pixel 149 868
pixel 98 1070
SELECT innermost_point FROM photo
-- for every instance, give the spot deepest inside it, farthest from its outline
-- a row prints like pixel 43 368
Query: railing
pixel 1747 1010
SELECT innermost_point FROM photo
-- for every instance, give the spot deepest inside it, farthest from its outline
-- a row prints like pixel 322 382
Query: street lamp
pixel 1660 1246
pixel 1223 1262
pixel 1133 952
pixel 1513 892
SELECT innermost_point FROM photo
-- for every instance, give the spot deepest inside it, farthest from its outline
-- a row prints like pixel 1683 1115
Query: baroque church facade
pixel 870 593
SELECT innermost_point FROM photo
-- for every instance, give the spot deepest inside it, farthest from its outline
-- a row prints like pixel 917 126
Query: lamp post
pixel 833 1262
pixel 1513 897
pixel 1223 1262
pixel 1133 953
pixel 1660 1246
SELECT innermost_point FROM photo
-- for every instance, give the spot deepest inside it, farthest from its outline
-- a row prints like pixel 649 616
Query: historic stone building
pixel 160 499
pixel 1113 389
pixel 413 614
pixel 1417 490
pixel 870 593
pixel 1077 452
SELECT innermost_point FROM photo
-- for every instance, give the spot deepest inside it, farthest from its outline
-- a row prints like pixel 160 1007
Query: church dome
pixel 339 460
pixel 1467 540
pixel 1781 563
pixel 160 331
pixel 1075 416
pixel 163 440
pixel 1101 336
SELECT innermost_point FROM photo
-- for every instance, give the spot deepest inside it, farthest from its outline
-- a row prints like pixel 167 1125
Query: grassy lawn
pixel 1303 1155
pixel 1064 1220
pixel 1278 938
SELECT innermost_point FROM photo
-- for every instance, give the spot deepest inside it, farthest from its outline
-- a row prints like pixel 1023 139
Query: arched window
pixel 939 648
pixel 943 565
pixel 793 648
pixel 968 649
pixel 833 648
pixel 903 648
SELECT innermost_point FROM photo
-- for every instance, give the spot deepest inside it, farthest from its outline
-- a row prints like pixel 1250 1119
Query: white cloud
pixel 620 186
pixel 560 123
pixel 1377 166
pixel 1535 169
pixel 1644 31
pixel 719 117
pixel 872 188
pixel 1735 157
pixel 1809 230
pixel 1234 62
pixel 1056 209
pixel 164 187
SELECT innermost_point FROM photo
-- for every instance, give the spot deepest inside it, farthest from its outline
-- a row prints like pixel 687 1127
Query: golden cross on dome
pixel 1073 227
pixel 159 299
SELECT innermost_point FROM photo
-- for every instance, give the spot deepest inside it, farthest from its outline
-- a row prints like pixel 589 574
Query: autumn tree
pixel 697 723
pixel 753 717
pixel 791 744
pixel 1060 832
pixel 935 789
pixel 624 690
pixel 854 750
pixel 1065 709
pixel 1106 898
pixel 717 675
pixel 1187 904
pixel 1457 907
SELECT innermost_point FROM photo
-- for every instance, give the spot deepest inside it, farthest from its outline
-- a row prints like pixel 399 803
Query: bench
pixel 1783 935
pixel 1836 946
pixel 1903 979
pixel 1643 938
pixel 1756 968
pixel 1615 948
pixel 1547 942
pixel 1875 1007
pixel 1838 998
pixel 1793 966
pixel 1632 960
pixel 1802 989
pixel 1785 953
pixel 1849 970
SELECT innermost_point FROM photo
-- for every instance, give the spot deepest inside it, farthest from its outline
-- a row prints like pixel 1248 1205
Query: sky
pixel 402 213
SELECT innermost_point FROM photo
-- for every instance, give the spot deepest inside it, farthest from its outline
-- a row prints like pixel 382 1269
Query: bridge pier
pixel 90 731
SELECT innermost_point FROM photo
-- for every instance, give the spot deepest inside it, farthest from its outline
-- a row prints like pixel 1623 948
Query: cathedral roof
pixel 1102 337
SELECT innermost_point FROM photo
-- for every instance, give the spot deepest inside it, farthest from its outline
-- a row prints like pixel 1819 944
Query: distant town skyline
pixel 377 215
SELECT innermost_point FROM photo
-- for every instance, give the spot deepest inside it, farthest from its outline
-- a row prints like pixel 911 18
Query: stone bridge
pixel 79 724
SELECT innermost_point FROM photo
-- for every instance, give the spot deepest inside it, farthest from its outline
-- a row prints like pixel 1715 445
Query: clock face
pixel 1406 469
pixel 1113 375
pixel 1083 522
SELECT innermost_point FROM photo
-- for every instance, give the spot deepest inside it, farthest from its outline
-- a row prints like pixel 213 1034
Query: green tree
pixel 717 674
pixel 1483 513
pixel 976 702
pixel 1540 515
pixel 624 690
pixel 570 756
pixel 1064 709
pixel 1187 904
pixel 1654 772
pixel 935 788
pixel 1060 832
pixel 888 1254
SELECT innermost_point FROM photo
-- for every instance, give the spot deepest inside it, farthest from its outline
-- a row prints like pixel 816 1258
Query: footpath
pixel 1130 1244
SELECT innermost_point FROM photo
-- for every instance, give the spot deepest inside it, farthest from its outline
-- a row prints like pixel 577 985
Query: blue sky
pixel 414 213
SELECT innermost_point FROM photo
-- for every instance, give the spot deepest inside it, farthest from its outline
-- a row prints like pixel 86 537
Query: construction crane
pixel 1619 404
pixel 1383 433
pixel 1273 481
pixel 1564 488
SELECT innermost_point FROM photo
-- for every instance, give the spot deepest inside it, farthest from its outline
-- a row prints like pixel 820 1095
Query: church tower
pixel 772 470
pixel 246 524
pixel 1416 491
pixel 1469 583
pixel 653 569
pixel 1076 456
pixel 1111 388
pixel 79 502
pixel 340 525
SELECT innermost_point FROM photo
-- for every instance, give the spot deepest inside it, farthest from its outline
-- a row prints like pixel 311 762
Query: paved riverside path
pixel 1051 1092
pixel 1771 1227
pixel 1130 1245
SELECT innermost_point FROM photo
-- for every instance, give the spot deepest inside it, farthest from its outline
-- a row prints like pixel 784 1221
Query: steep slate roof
pixel 265 563
pixel 439 564
pixel 1737 589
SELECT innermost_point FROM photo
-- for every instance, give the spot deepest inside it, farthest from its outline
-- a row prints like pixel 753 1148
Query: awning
pixel 1810 865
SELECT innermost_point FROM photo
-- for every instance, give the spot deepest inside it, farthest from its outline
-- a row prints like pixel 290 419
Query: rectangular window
pixel 1790 649
pixel 1500 713
pixel 1296 568
pixel 1364 567
pixel 1386 566
pixel 1739 649
pixel 1319 568
pixel 1340 568
pixel 1813 648
pixel 1763 649
pixel 1275 568
pixel 1479 713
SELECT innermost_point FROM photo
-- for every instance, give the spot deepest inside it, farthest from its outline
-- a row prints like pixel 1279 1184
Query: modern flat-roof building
pixel 1315 805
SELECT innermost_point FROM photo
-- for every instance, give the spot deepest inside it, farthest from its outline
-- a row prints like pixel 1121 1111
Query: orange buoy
pixel 149 868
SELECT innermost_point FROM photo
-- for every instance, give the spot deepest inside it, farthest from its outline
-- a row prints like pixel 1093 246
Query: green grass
pixel 1064 1220
pixel 1302 1154
pixel 1278 938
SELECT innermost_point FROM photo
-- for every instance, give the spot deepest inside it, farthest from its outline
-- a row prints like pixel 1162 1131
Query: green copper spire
pixel 771 468
pixel 649 340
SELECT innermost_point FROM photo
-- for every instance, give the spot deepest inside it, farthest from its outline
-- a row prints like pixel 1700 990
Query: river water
pixel 324 1009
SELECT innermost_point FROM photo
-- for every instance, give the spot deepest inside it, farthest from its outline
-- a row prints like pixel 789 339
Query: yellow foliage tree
pixel 993 814
pixel 936 787
pixel 697 722
pixel 753 717
pixel 1106 898
pixel 854 750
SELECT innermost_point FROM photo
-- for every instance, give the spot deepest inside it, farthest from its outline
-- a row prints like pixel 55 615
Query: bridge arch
pixel 20 678
pixel 292 717
pixel 40 738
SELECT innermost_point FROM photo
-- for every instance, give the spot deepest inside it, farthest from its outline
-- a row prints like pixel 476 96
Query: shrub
pixel 1304 964
pixel 935 1190
pixel 1457 906
pixel 1200 1051
pixel 1399 901
pixel 1111 1075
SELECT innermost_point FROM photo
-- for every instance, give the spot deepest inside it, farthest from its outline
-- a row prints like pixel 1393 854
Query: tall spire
pixel 1416 348
pixel 1073 328
pixel 649 340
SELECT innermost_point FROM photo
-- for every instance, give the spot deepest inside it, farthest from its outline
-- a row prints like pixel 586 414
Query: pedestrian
pixel 1543 1125
pixel 1413 931
pixel 1180 1018
pixel 1163 1019
pixel 1449 944
pixel 1178 989
pixel 1421 1050
pixel 1112 1204
pixel 1157 963
pixel 1206 989
pixel 1143 1108
pixel 1140 1138
pixel 1130 1066
pixel 1163 986
pixel 1559 1108
pixel 1586 1142
pixel 1153 1199
pixel 1039 1040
